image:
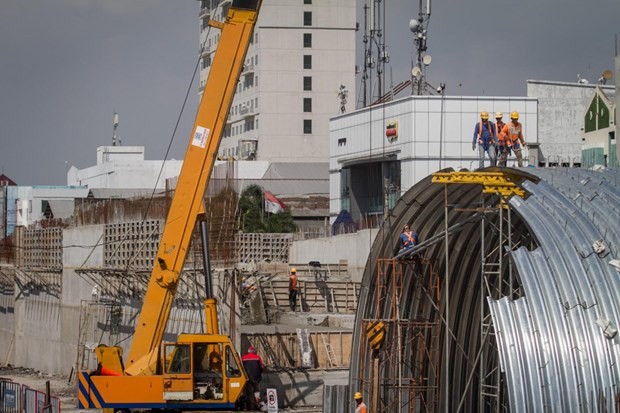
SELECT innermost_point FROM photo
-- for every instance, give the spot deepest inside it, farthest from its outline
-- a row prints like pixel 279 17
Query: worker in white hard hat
pixel 361 406
pixel 485 135
pixel 503 150
pixel 513 132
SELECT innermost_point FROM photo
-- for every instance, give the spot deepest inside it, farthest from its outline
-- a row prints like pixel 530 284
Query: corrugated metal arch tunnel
pixel 532 299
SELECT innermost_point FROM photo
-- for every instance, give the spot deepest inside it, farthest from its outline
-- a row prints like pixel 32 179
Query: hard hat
pixel 357 396
pixel 514 115
pixel 251 349
pixel 293 270
pixel 498 115
pixel 484 115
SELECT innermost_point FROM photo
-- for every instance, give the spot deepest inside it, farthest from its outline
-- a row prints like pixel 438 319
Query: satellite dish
pixel 413 25
pixel 608 74
pixel 416 72
pixel 427 59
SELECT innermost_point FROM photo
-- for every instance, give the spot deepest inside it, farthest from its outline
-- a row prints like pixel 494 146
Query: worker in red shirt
pixel 292 289
pixel 254 367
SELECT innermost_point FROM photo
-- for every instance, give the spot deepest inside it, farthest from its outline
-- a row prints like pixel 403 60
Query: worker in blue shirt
pixel 408 239
pixel 485 135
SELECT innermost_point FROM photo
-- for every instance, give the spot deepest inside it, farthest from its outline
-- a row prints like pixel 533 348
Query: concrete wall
pixel 302 388
pixel 561 111
pixel 351 247
pixel 7 321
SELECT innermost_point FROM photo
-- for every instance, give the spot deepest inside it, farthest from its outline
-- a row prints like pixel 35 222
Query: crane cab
pixel 202 369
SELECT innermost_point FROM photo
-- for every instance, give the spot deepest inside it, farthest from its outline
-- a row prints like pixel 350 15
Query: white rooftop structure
pixel 124 167
pixel 370 166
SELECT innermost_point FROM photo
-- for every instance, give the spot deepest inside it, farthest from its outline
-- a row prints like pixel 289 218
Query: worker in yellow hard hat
pixel 292 289
pixel 513 133
pixel 485 135
pixel 501 139
pixel 361 406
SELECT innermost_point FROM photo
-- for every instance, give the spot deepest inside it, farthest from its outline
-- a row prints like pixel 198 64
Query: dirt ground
pixel 59 385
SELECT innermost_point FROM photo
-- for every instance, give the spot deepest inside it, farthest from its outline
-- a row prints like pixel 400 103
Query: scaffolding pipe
pixel 447 343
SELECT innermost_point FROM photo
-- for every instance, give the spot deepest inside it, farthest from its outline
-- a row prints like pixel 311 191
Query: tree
pixel 254 219
pixel 251 210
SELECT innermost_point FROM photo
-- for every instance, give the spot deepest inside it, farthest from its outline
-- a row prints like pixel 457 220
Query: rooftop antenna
pixel 607 75
pixel 373 38
pixel 114 136
pixel 419 28
pixel 582 80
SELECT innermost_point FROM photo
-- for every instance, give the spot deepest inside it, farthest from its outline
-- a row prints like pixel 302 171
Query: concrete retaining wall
pixel 351 247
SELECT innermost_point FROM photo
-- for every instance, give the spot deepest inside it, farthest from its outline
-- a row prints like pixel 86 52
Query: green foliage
pixel 254 219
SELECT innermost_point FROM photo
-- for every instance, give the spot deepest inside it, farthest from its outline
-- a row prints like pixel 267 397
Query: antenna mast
pixel 419 29
pixel 114 136
pixel 374 21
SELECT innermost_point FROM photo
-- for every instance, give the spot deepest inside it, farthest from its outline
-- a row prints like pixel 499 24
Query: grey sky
pixel 67 65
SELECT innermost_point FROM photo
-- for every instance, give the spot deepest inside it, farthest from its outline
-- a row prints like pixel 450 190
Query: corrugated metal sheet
pixel 552 352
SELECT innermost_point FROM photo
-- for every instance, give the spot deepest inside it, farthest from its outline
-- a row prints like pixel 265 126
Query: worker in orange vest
pixel 292 289
pixel 485 135
pixel 360 405
pixel 503 150
pixel 408 238
pixel 513 132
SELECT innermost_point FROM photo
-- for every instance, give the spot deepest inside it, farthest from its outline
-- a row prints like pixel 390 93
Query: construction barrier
pixel 16 398
pixel 10 396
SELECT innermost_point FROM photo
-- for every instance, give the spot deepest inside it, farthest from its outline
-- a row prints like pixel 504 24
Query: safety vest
pixel 410 239
pixel 480 141
pixel 514 134
pixel 501 137
pixel 292 282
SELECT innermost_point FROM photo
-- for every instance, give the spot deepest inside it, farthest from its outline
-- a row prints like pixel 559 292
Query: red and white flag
pixel 273 204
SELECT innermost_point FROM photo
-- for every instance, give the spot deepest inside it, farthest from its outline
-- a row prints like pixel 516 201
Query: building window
pixel 307 1
pixel 307 104
pixel 307 61
pixel 307 82
pixel 307 39
pixel 307 18
pixel 307 126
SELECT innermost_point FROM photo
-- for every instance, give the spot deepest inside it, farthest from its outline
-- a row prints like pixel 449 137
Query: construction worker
pixel 513 133
pixel 408 238
pixel 254 367
pixel 485 135
pixel 503 150
pixel 292 289
pixel 361 406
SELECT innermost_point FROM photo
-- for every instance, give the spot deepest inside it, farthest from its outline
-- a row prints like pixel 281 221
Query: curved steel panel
pixel 552 352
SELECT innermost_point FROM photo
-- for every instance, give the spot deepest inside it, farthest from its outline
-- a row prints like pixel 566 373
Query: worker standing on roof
pixel 361 406
pixel 513 132
pixel 485 135
pixel 408 238
pixel 503 149
pixel 254 367
pixel 292 289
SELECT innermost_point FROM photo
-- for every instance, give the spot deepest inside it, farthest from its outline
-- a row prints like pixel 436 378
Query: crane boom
pixel 188 197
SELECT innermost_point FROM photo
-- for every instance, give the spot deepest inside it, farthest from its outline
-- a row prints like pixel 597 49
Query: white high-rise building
pixel 301 53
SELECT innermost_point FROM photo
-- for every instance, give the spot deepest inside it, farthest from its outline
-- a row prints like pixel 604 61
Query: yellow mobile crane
pixel 199 371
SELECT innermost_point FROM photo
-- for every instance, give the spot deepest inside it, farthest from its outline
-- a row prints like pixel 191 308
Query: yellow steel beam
pixel 492 182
